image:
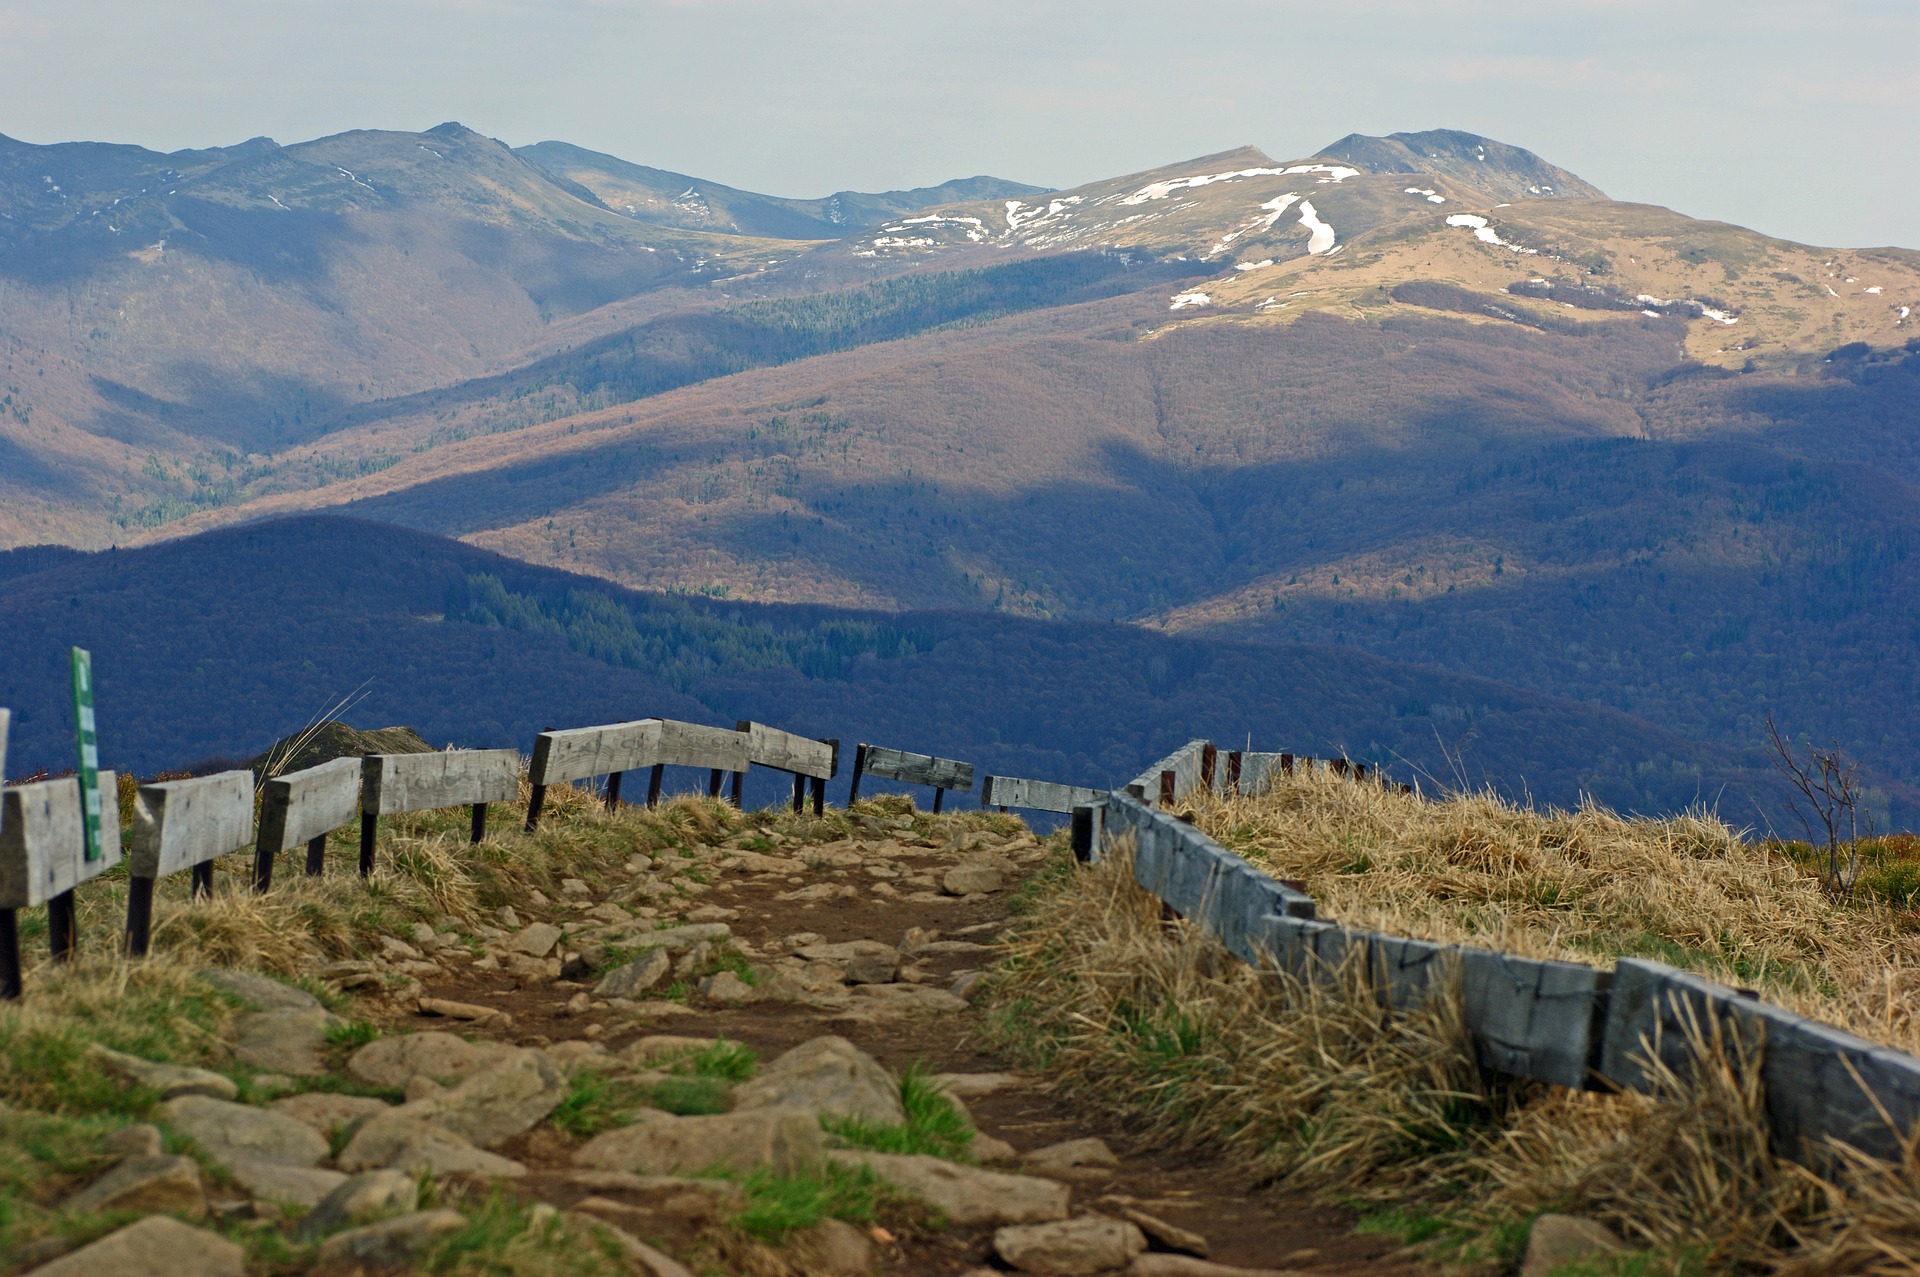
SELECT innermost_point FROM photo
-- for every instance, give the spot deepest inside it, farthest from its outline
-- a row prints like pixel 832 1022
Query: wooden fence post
pixel 9 956
pixel 799 794
pixel 369 830
pixel 859 765
pixel 1234 759
pixel 1209 758
pixel 534 804
pixel 739 788
pixel 715 777
pixel 479 821
pixel 653 784
pixel 139 916
pixel 1166 788
pixel 316 855
pixel 613 790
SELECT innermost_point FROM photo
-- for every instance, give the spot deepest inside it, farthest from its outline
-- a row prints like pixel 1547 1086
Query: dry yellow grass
pixel 1587 885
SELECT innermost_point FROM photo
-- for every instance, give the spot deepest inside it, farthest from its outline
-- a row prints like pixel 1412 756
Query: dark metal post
pixel 819 796
pixel 739 787
pixel 1166 789
pixel 479 821
pixel 714 779
pixel 316 856
pixel 799 793
pixel 1234 760
pixel 1209 756
pixel 9 956
pixel 139 916
pixel 203 880
pixel 939 795
pixel 1083 834
pixel 653 784
pixel 859 765
pixel 613 790
pixel 534 804
pixel 1286 764
pixel 262 869
pixel 61 928
pixel 369 829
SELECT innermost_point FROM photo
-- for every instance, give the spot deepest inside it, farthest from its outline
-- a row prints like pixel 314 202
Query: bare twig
pixel 1827 791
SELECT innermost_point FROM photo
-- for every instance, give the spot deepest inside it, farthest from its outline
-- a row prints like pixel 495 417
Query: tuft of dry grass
pixel 1587 885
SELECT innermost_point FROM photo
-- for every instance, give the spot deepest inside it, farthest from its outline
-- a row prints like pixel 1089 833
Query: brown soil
pixel 1245 1223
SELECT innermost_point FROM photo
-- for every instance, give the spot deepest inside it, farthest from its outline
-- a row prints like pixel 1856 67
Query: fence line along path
pixel 395 783
pixel 912 769
pixel 183 824
pixel 304 807
pixel 43 857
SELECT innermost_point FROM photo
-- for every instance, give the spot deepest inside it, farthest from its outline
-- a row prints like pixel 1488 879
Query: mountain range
pixel 1426 398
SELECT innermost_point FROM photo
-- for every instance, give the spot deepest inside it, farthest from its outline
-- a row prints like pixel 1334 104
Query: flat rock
pixel 829 1076
pixel 1071 1155
pixel 680 939
pixel 1161 1234
pixel 858 961
pixel 1563 1239
pixel 361 1199
pixel 299 1185
pixel 326 1112
pixel 642 1259
pixel 170 1080
pixel 157 1246
pixel 887 1003
pixel 391 1241
pixel 471 1012
pixel 231 1133
pixel 724 988
pixel 142 1139
pixel 262 993
pixel 834 1248
pixel 636 977
pixel 1069 1247
pixel 968 1086
pixel 536 940
pixel 442 1057
pixel 1154 1265
pixel 149 1185
pixel 419 1147
pixel 966 880
pixel 662 1144
pixel 967 1195
pixel 657 1048
pixel 492 1106
pixel 691 1201
pixel 284 1040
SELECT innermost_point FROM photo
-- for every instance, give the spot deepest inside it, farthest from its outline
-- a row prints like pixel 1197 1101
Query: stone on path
pixel 834 1248
pixel 1069 1156
pixel 536 940
pixel 299 1185
pixel 636 977
pixel 967 1195
pixel 890 1003
pixel 965 880
pixel 1153 1265
pixel 360 1200
pixel 284 1041
pixel 233 1133
pixel 858 961
pixel 262 993
pixel 470 1011
pixel 1161 1235
pixel 662 1144
pixel 492 1106
pixel 157 1246
pixel 724 988
pixel 326 1112
pixel 1562 1239
pixel 1069 1247
pixel 830 1076
pixel 171 1080
pixel 418 1147
pixel 391 1241
pixel 142 1139
pixel 150 1185
pixel 442 1057
pixel 689 1201
pixel 642 1259
pixel 968 1086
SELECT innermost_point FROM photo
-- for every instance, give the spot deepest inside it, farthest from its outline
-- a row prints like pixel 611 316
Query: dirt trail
pixel 884 885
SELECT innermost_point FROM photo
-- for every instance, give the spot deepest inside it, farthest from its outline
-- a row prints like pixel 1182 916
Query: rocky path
pixel 578 1051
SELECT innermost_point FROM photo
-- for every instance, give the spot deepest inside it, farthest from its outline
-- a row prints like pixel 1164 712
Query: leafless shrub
pixel 1827 794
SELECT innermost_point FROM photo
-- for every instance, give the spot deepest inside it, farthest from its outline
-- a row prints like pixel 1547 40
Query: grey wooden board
pixel 5 718
pixel 301 806
pixel 178 824
pixel 580 752
pixel 1410 970
pixel 1256 770
pixel 1097 844
pixel 697 745
pixel 1532 1017
pixel 1821 1082
pixel 43 840
pixel 392 783
pixel 1184 763
pixel 917 769
pixel 1034 795
pixel 788 752
pixel 1293 945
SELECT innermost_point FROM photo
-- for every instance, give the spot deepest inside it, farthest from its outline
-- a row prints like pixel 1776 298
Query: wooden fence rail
pixel 393 783
pixel 304 807
pixel 810 762
pixel 183 824
pixel 911 769
pixel 1033 795
pixel 43 848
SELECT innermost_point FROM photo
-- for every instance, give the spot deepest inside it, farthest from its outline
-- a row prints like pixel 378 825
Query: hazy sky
pixel 1800 119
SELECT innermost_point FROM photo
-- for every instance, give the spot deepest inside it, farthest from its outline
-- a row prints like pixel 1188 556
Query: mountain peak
pixel 1500 170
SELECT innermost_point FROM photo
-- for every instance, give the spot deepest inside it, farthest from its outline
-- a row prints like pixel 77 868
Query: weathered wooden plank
pixel 1035 795
pixel 580 752
pixel 1184 763
pixel 178 824
pixel 1412 970
pixel 392 783
pixel 6 717
pixel 43 842
pixel 301 806
pixel 697 745
pixel 917 769
pixel 787 751
pixel 1532 1017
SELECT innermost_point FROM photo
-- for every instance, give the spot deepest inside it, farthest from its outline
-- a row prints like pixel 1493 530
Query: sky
pixel 1801 120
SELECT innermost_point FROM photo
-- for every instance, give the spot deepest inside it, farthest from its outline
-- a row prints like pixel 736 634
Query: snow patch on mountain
pixel 1320 239
pixel 1184 301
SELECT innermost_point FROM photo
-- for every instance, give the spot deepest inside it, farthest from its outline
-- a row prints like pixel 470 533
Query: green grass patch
pixel 727 1060
pixel 351 1034
pixel 781 1204
pixel 690 1096
pixel 501 1238
pixel 596 1103
pixel 934 1125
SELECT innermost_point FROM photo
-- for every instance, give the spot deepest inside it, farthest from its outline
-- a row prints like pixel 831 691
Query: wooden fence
pixel 1566 1023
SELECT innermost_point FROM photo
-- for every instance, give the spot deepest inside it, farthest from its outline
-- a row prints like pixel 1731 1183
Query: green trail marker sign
pixel 89 749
